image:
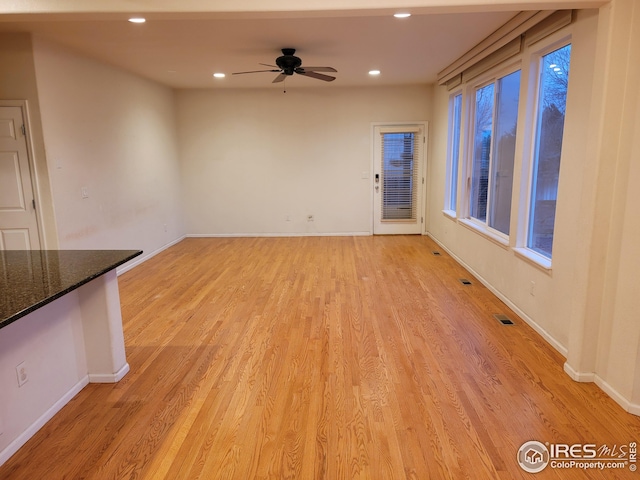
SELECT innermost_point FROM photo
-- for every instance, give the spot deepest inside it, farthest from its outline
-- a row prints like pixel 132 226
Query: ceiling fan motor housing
pixel 288 62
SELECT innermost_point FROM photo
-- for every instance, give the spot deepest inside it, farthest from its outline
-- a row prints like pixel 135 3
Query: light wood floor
pixel 319 358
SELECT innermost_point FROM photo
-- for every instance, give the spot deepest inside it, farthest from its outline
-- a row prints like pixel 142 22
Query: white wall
pixel 260 161
pixel 586 305
pixel 253 158
pixel 115 135
pixel 18 82
pixel 556 292
pixel 608 341
pixel 50 343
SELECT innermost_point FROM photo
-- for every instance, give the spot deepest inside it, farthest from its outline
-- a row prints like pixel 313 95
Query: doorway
pixel 399 178
pixel 18 219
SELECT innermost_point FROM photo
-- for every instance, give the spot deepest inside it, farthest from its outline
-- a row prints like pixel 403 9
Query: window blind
pixel 503 44
pixel 399 172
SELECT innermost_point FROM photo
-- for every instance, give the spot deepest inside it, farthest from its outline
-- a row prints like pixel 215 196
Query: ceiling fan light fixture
pixel 288 64
pixel 402 15
pixel 137 20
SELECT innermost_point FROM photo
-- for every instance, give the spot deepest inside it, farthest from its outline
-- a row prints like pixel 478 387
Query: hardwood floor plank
pixel 319 358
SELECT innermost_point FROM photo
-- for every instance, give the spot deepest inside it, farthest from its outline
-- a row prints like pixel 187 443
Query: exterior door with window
pixel 398 176
pixel 18 222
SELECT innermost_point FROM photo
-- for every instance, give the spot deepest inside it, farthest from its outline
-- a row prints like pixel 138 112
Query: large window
pixel 455 119
pixel 552 102
pixel 487 151
pixel 494 142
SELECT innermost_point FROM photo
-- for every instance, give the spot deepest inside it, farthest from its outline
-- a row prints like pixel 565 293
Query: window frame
pixel 531 134
pixel 469 117
pixel 454 154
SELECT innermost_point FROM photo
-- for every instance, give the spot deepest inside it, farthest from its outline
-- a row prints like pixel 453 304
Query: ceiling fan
pixel 288 64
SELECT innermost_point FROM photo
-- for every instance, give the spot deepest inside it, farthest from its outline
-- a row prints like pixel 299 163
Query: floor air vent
pixel 464 281
pixel 503 319
pixel 436 253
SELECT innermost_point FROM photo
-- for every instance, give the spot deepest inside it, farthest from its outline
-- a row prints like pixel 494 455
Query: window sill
pixel 450 214
pixel 534 258
pixel 489 234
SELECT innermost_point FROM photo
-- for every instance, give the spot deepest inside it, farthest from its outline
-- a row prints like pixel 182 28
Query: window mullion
pixel 492 150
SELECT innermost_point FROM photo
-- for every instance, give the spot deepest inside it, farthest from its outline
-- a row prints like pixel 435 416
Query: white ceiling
pixel 184 51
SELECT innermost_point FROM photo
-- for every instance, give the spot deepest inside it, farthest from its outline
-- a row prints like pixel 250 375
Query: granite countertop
pixel 30 279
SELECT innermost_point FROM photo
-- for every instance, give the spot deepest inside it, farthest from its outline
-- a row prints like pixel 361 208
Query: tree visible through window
pixel 552 102
pixel 496 121
pixel 455 114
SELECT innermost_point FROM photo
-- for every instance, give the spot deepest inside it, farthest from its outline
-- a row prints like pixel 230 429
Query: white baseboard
pixel 281 234
pixel 109 378
pixel 570 371
pixel 584 377
pixel 14 446
pixel 541 331
pixel 144 258
pixel 588 377
pixel 577 376
pixel 628 406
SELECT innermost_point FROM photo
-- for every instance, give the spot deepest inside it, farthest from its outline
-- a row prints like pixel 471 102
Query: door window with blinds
pixel 398 177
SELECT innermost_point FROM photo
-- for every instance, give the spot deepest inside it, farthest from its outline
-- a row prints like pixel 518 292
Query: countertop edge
pixel 55 296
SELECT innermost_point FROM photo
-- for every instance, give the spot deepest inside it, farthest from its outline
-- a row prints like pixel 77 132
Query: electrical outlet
pixel 21 372
pixel 309 218
pixel 532 289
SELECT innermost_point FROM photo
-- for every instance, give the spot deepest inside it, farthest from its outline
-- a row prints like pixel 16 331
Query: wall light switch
pixel 85 192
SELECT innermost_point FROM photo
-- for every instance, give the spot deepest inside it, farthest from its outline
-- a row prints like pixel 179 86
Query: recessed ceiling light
pixel 374 72
pixel 137 20
pixel 219 75
pixel 402 15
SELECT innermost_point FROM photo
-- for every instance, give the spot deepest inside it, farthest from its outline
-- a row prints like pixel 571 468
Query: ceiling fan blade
pixel 319 76
pixel 268 65
pixel 279 78
pixel 318 69
pixel 255 71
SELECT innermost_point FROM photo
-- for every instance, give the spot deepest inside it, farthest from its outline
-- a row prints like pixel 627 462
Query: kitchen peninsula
pixel 60 329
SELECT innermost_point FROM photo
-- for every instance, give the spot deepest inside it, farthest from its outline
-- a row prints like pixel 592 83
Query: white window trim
pixel 448 211
pixel 489 233
pixel 466 168
pixel 450 214
pixel 533 258
pixel 552 43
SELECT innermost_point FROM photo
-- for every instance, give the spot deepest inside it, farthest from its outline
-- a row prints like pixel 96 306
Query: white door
pixel 18 222
pixel 398 179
